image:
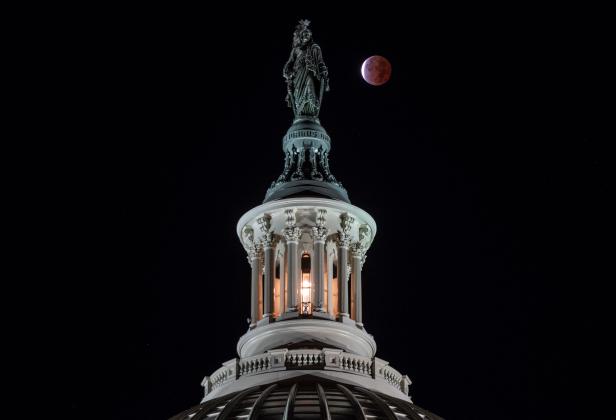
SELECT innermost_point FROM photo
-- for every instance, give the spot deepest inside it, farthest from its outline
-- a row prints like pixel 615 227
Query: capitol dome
pixel 306 397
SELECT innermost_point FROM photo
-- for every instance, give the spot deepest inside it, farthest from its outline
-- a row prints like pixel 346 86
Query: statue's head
pixel 302 35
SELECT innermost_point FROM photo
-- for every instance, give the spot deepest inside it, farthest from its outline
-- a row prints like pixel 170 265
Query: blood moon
pixel 376 70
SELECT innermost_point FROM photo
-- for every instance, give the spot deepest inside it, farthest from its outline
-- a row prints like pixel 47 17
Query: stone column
pixel 269 265
pixel 319 233
pixel 357 255
pixel 344 241
pixel 253 260
pixel 269 271
pixel 292 234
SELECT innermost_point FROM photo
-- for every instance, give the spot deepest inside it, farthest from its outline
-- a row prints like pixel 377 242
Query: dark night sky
pixel 481 161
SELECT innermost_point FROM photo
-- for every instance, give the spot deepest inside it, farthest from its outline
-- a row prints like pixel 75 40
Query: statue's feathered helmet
pixel 301 27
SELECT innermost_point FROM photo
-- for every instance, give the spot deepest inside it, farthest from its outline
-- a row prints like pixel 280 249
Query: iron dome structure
pixel 306 354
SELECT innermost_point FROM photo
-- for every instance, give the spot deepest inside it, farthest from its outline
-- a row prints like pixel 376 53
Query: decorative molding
pixel 291 233
pixel 268 240
pixel 346 222
pixel 291 219
pixel 365 235
pixel 321 217
pixel 255 252
pixel 344 233
pixel 306 134
pixel 334 207
pixel 334 334
pixel 326 359
pixel 319 233
pixel 248 235
pixel 357 250
pixel 265 223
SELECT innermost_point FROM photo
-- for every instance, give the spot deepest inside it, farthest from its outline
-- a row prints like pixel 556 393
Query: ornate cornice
pixel 276 210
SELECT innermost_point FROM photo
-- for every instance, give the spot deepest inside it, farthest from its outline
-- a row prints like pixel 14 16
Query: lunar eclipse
pixel 376 70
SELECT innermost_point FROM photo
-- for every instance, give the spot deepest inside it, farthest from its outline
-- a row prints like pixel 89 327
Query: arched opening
pixel 306 286
pixel 277 289
pixel 335 295
pixel 260 294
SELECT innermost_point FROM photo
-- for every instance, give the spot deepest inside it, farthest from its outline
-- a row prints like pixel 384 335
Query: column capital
pixel 268 240
pixel 365 235
pixel 254 251
pixel 357 250
pixel 343 240
pixel 319 233
pixel 265 222
pixel 346 222
pixel 291 232
pixel 344 233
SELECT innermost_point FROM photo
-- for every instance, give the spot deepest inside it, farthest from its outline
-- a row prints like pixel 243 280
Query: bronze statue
pixel 306 74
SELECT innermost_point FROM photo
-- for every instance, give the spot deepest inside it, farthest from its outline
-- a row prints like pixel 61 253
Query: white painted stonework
pixel 281 364
pixel 349 338
pixel 306 319
pixel 306 208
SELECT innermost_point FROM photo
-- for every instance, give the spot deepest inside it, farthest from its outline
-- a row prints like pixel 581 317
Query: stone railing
pixel 254 365
pixel 325 359
pixel 304 359
pixel 390 375
pixel 222 375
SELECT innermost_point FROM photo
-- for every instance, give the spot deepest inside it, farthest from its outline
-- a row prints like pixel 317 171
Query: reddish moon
pixel 376 70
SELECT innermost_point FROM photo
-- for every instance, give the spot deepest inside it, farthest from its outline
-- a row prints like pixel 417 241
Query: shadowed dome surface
pixel 306 398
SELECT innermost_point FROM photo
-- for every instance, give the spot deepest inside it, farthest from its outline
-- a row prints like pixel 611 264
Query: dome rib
pixel 254 411
pixel 288 409
pixel 323 402
pixel 359 410
pixel 378 401
pixel 307 398
pixel 230 406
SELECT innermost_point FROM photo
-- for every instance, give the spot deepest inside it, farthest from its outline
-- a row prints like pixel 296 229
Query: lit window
pixel 306 305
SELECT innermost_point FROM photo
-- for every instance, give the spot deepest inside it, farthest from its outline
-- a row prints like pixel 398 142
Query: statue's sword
pixel 291 98
pixel 323 81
